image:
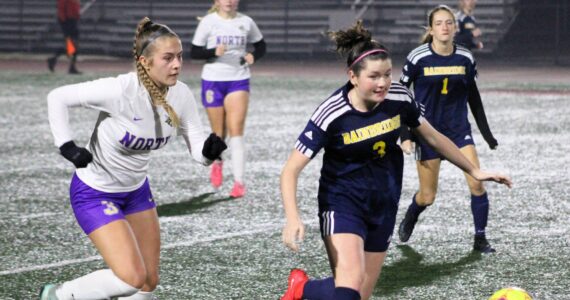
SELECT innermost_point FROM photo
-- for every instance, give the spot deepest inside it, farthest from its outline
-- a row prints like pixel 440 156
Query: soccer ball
pixel 511 293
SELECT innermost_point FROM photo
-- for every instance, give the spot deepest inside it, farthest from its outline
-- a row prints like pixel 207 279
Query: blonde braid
pixel 157 94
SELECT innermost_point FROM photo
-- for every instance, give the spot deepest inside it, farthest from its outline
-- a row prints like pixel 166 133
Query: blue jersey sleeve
pixel 409 73
pixel 412 114
pixel 311 140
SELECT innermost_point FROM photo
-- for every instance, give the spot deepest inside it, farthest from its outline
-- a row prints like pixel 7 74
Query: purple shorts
pixel 377 237
pixel 94 208
pixel 214 92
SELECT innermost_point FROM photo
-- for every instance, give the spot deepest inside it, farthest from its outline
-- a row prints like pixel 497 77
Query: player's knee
pixel 135 276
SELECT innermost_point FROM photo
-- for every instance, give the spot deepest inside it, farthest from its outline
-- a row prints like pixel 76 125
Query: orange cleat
pixel 216 176
pixel 295 285
pixel 238 190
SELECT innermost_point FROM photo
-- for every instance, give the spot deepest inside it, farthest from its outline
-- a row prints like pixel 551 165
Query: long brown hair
pixel 426 37
pixel 356 41
pixel 148 32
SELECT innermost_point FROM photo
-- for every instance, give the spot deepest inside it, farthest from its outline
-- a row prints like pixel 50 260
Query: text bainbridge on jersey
pixel 371 131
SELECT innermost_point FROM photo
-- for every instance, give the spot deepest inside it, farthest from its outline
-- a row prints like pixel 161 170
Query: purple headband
pixel 363 55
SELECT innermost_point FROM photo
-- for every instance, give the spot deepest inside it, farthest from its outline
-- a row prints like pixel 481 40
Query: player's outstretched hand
pixel 293 233
pixel 213 147
pixel 496 177
pixel 79 156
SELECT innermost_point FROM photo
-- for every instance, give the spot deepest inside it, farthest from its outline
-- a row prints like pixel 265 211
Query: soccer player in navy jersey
pixel 361 179
pixel 443 75
pixel 468 34
pixel 139 112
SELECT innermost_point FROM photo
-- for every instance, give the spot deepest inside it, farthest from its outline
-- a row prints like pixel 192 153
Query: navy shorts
pixel 376 236
pixel 214 92
pixel 425 152
pixel 94 208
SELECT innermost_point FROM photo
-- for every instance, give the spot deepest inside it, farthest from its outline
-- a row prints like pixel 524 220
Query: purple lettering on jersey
pixel 230 40
pixel 138 144
pixel 218 40
pixel 149 143
pixel 158 142
pixel 142 143
pixel 127 139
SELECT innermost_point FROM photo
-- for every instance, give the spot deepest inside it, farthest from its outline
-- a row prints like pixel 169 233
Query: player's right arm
pixel 98 94
pixel 409 74
pixel 294 230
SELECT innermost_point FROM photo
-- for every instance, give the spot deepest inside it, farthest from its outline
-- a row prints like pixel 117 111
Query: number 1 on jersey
pixel 444 89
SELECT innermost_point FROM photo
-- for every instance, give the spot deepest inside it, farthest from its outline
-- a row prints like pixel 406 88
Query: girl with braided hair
pixel 361 177
pixel 110 193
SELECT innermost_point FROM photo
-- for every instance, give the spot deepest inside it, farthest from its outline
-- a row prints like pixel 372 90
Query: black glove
pixel 213 147
pixel 492 142
pixel 80 157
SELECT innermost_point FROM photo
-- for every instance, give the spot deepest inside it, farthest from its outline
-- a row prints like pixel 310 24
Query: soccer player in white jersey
pixel 221 39
pixel 358 127
pixel 110 194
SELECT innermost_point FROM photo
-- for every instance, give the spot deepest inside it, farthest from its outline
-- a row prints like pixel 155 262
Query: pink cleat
pixel 295 285
pixel 216 176
pixel 238 190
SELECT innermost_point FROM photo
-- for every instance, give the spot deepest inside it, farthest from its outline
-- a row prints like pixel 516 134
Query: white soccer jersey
pixel 235 33
pixel 127 129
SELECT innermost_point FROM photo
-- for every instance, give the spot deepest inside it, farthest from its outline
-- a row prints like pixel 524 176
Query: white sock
pixel 140 295
pixel 237 147
pixel 102 284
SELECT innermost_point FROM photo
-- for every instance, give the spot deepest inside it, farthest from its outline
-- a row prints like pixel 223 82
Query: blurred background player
pixel 444 79
pixel 110 192
pixel 361 178
pixel 68 13
pixel 468 34
pixel 221 39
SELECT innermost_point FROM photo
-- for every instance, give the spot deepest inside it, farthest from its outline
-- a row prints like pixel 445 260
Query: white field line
pixel 62 263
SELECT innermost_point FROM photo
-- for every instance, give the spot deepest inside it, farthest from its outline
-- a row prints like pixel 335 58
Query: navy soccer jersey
pixel 441 87
pixel 362 163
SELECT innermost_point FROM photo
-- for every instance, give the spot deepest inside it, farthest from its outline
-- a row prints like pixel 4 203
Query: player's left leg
pixel 479 203
pixel 146 229
pixel 346 256
pixel 373 262
pixel 235 105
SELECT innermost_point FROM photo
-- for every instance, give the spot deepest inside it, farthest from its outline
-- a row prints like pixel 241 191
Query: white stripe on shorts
pixel 328 223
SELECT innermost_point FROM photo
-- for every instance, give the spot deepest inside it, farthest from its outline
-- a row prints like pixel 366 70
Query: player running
pixel 443 75
pixel 221 39
pixel 361 179
pixel 110 194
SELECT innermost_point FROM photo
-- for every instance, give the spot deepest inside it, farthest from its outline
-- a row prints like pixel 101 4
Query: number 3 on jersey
pixel 380 148
pixel 444 88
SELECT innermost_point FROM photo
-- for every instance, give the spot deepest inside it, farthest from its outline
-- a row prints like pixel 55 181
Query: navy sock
pixel 480 210
pixel 343 293
pixel 321 289
pixel 415 209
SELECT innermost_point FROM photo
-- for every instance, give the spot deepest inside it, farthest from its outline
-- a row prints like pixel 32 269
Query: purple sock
pixel 343 293
pixel 480 210
pixel 319 289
